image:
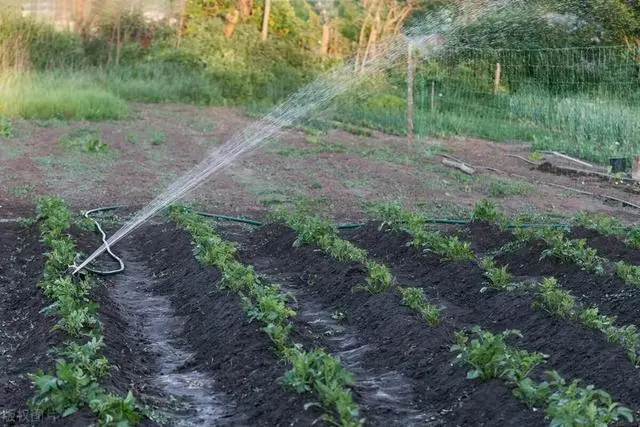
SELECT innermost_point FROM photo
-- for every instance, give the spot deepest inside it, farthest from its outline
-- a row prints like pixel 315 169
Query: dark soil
pixel 403 367
pixel 25 333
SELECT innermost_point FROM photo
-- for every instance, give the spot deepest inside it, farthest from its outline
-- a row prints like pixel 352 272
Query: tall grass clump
pixel 53 95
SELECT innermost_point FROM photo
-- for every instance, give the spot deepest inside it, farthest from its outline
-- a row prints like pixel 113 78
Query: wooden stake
pixel 410 65
pixel 496 82
pixel 635 168
pixel 433 96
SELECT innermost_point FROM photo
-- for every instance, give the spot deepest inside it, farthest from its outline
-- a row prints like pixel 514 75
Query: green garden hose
pixel 104 241
pixel 347 226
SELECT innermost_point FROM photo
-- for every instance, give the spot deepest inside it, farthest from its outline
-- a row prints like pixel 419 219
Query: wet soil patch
pixel 395 338
pixel 610 247
pixel 234 352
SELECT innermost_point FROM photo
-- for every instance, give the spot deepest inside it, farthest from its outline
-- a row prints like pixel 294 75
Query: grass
pixel 506 187
pixel 54 96
pixel 590 127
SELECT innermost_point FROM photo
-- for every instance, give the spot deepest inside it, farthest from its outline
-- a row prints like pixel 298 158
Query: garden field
pixel 393 321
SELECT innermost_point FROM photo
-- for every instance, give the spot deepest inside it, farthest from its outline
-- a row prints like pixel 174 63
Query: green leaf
pixel 472 375
pixel 69 411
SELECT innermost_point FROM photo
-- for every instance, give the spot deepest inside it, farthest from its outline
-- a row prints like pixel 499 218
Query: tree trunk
pixel 118 39
pixel 232 20
pixel 183 12
pixel 373 37
pixel 245 7
pixel 326 31
pixel 265 20
pixel 363 30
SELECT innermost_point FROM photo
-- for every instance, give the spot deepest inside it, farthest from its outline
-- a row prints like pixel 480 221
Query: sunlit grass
pixel 53 95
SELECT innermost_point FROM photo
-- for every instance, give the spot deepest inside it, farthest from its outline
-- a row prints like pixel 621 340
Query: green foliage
pixel 451 248
pixel 572 405
pixel 86 140
pixel 490 356
pixel 575 251
pixel 6 127
pixel 486 210
pixel 499 277
pixel 633 238
pixel 626 337
pixel 555 300
pixel 158 138
pixel 316 370
pixel 505 187
pixel 603 224
pixel 414 298
pixel 379 278
pixel 630 274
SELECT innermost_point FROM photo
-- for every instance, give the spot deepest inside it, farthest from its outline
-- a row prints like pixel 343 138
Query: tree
pixel 325 10
pixel 383 18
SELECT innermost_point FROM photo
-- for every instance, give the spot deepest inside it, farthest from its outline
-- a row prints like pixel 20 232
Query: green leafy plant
pixel 499 277
pixel 158 138
pixel 603 224
pixel 486 210
pixel 573 405
pixel 633 238
pixel 74 384
pixel 630 274
pixel 414 298
pixel 318 370
pixel 490 356
pixel 6 127
pixel 555 300
pixel 379 278
pixel 575 251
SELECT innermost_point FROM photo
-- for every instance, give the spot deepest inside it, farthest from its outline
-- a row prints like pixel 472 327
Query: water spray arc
pixel 299 105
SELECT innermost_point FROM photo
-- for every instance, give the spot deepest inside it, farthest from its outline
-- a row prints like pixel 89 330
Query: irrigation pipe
pixel 347 226
pixel 104 241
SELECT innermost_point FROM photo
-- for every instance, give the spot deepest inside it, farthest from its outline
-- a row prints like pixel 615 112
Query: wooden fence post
pixel 410 69
pixel 496 81
pixel 635 168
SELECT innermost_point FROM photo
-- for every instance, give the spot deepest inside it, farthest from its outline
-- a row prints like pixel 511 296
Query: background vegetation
pixel 569 70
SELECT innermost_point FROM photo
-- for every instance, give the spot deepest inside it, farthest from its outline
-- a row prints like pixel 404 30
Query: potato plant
pixel 572 250
pixel 603 224
pixel 554 299
pixel 311 371
pixel 566 405
pixel 450 248
pixel 315 230
pixel 630 274
pixel 78 366
pixel 414 298
pixel 499 277
pixel 486 210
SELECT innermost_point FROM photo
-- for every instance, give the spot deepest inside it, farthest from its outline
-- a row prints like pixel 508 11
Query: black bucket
pixel 619 164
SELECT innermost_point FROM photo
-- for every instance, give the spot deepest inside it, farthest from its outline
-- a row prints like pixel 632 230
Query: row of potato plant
pixel 451 248
pixel 311 371
pixel 79 363
pixel 566 404
pixel 549 296
pixel 312 229
pixel 577 252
